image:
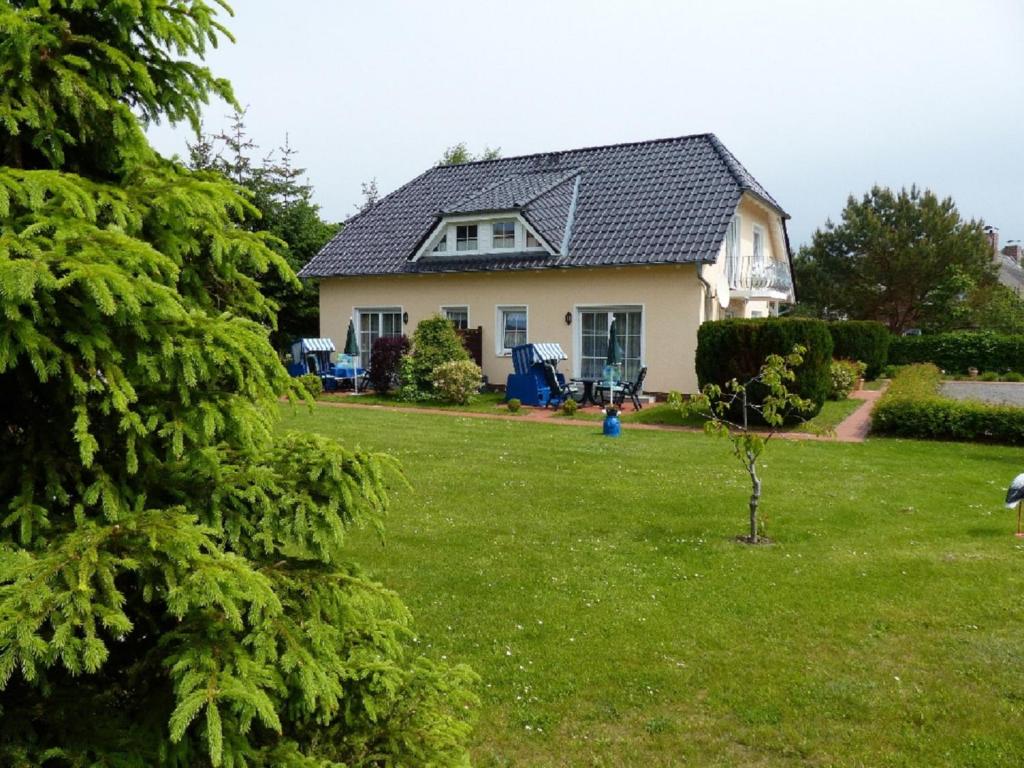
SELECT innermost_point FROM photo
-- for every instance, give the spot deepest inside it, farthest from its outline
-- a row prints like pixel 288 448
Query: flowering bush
pixel 843 375
pixel 456 381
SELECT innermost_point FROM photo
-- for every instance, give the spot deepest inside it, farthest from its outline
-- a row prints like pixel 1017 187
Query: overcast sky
pixel 817 99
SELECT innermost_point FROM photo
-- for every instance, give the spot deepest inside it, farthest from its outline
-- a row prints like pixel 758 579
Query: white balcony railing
pixel 758 276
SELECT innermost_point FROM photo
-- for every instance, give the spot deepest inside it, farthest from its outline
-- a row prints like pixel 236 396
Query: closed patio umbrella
pixel 352 350
pixel 614 355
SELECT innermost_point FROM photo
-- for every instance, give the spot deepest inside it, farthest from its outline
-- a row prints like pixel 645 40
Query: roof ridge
pixel 592 148
pixel 740 174
pixel 568 176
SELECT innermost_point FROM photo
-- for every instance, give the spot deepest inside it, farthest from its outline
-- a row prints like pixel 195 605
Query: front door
pixel 593 349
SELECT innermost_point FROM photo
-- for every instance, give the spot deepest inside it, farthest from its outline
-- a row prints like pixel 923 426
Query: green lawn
pixel 595 586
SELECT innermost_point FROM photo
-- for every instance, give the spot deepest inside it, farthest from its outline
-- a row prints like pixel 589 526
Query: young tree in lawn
pixel 905 258
pixel 728 411
pixel 174 586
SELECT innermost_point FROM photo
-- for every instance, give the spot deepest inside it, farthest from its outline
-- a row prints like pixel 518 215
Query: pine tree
pixel 174 588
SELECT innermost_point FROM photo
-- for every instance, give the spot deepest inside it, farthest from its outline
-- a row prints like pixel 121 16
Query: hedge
pixel 863 340
pixel 913 407
pixel 960 350
pixel 736 349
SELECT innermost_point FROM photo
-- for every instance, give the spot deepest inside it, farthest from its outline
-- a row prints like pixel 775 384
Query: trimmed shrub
pixel 456 381
pixel 736 349
pixel 960 350
pixel 434 342
pixel 989 376
pixel 864 340
pixel 1012 376
pixel 569 407
pixel 385 359
pixel 514 405
pixel 312 383
pixel 843 375
pixel 913 407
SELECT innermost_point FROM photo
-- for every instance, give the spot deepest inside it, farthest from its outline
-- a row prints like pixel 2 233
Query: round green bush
pixel 1013 376
pixel 312 384
pixel 514 405
pixel 736 349
pixel 989 376
pixel 569 407
pixel 434 342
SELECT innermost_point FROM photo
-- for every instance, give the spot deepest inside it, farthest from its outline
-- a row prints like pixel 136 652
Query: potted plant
pixel 612 427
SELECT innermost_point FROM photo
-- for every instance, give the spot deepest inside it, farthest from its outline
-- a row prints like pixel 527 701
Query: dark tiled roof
pixel 653 202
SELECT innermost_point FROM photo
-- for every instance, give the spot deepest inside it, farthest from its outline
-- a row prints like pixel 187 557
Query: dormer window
pixel 503 234
pixel 442 244
pixel 465 237
pixel 531 241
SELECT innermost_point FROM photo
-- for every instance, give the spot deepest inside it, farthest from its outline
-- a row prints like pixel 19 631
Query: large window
pixel 511 328
pixel 459 316
pixel 465 237
pixel 732 250
pixel 373 324
pixel 503 234
pixel 594 328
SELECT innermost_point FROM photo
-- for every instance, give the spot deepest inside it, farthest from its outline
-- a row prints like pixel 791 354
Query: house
pixel 660 235
pixel 1009 269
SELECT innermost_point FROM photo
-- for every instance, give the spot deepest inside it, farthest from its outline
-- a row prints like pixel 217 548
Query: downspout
pixel 707 291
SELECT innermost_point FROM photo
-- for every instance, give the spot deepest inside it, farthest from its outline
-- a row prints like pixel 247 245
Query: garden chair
pixel 559 390
pixel 632 390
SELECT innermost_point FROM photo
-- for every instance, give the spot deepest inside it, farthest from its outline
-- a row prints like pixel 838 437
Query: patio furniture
pixel 529 384
pixel 347 369
pixel 311 356
pixel 558 390
pixel 588 391
pixel 632 390
pixel 611 376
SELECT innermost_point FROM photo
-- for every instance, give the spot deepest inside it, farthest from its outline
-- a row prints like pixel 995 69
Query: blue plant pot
pixel 612 426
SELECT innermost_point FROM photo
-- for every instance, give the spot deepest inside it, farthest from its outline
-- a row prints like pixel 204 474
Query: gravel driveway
pixel 997 392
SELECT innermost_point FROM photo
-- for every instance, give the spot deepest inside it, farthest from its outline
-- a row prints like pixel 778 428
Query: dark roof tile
pixel 660 201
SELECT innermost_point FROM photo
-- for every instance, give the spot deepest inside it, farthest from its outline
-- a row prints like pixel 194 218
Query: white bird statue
pixel 1015 498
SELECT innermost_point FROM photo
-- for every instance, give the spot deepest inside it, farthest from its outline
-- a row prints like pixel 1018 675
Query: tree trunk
pixel 755 495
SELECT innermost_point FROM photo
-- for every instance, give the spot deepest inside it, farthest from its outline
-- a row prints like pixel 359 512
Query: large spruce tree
pixel 174 589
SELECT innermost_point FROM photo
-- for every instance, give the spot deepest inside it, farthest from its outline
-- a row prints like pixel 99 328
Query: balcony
pixel 752 277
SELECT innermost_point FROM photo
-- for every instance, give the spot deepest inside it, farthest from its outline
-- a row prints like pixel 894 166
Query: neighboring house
pixel 551 247
pixel 1009 268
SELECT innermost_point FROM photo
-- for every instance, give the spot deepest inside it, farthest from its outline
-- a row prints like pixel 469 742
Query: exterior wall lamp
pixel 405 318
pixel 568 318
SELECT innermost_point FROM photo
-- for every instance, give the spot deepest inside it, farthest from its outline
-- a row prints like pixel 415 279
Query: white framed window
pixel 594 327
pixel 503 234
pixel 442 244
pixel 466 237
pixel 732 250
pixel 458 316
pixel 512 328
pixel 531 241
pixel 373 324
pixel 758 246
